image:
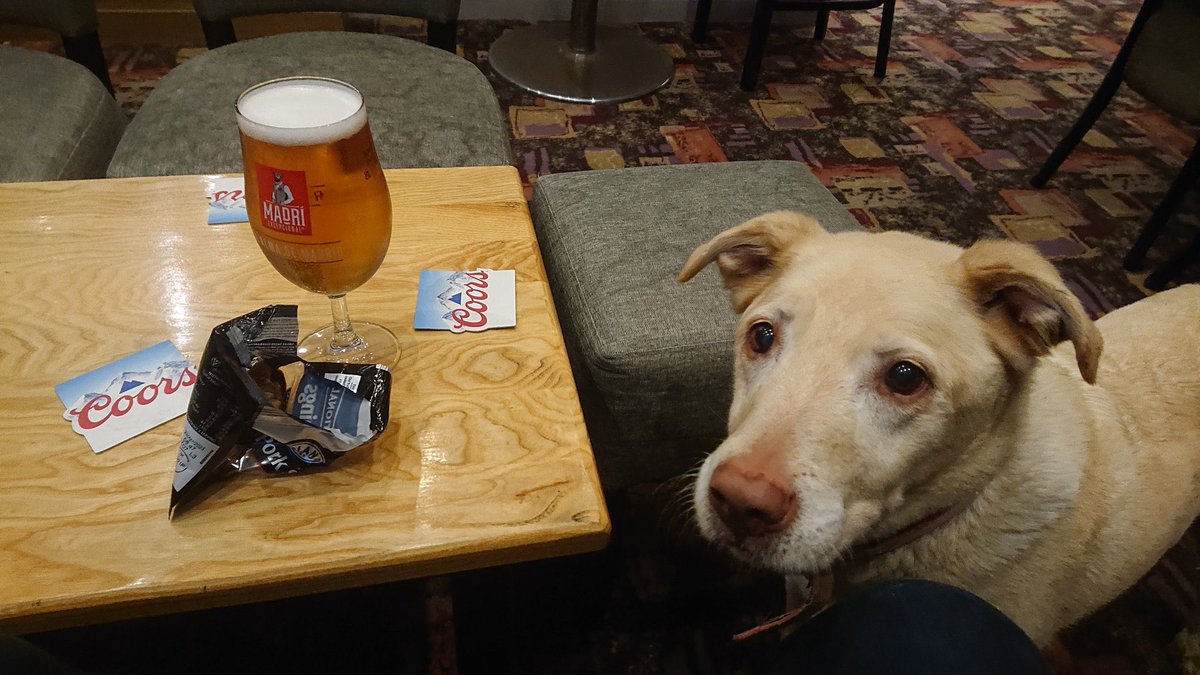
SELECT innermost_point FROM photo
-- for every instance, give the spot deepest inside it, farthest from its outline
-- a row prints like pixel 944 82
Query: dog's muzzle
pixel 749 501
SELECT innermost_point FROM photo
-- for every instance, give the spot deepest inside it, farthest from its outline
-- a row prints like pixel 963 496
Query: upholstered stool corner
pixel 653 358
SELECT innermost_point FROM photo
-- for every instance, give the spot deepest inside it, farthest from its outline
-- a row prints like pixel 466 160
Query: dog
pixel 906 408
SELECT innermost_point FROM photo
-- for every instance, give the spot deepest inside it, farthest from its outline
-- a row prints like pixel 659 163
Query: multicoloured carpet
pixel 977 93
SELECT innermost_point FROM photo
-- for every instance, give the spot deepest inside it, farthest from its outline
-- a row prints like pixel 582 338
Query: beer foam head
pixel 301 111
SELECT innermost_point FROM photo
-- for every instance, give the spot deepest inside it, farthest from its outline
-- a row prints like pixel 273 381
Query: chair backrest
pixel 1164 62
pixel 69 18
pixel 223 10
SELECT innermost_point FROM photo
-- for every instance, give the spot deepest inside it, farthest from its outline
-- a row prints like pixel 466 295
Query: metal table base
pixel 580 61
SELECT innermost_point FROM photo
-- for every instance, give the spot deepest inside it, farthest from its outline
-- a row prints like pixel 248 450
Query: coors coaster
pixel 256 404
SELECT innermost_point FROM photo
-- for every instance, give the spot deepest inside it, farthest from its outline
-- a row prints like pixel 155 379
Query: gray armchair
pixel 428 107
pixel 60 121
pixel 1160 59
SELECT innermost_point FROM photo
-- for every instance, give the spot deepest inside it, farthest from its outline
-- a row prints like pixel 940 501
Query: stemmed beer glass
pixel 318 202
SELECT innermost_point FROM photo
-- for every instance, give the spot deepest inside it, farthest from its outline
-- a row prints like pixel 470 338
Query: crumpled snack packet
pixel 256 404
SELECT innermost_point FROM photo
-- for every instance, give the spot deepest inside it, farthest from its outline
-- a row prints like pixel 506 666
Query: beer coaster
pixel 470 301
pixel 226 200
pixel 116 402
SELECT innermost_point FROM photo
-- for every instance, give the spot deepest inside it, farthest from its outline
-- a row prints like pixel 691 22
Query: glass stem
pixel 344 338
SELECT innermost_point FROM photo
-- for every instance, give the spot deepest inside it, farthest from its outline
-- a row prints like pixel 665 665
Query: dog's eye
pixel 762 336
pixel 905 378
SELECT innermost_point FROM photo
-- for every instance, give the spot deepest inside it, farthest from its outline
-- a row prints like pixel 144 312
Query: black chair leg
pixel 1104 94
pixel 1159 279
pixel 822 24
pixel 218 33
pixel 444 35
pixel 1175 194
pixel 700 23
pixel 752 64
pixel 885 39
pixel 86 50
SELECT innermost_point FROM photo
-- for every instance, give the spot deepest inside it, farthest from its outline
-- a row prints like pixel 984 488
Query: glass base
pixel 376 344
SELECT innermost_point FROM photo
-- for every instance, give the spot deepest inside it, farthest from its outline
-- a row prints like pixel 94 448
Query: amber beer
pixel 315 193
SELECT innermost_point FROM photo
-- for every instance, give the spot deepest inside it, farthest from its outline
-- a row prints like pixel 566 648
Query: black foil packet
pixel 256 404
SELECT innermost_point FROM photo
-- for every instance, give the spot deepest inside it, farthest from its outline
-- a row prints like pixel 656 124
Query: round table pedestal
pixel 621 66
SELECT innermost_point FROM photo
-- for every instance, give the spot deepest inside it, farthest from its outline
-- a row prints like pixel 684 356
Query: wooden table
pixel 486 460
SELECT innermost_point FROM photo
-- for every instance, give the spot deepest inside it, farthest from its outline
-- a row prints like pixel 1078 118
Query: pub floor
pixel 977 93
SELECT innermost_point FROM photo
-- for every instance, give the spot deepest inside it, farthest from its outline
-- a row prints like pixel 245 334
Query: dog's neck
pixel 869 550
pixel 822 588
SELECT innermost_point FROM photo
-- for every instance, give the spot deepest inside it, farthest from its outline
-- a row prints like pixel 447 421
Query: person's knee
pixel 910 627
pixel 19 656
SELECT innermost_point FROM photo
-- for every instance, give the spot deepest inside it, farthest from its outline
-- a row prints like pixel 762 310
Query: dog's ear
pixel 1026 305
pixel 750 254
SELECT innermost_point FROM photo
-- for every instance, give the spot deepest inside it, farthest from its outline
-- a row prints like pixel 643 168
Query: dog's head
pixel 866 368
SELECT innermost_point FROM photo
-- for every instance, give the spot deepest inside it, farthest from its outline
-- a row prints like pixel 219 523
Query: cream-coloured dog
pixel 890 388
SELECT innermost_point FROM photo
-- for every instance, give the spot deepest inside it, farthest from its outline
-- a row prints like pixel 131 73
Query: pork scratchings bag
pixel 256 404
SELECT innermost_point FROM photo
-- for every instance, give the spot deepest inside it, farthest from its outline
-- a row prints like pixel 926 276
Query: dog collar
pixel 821 586
pixel 869 550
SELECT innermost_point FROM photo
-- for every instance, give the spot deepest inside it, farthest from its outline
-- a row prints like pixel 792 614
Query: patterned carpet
pixel 977 93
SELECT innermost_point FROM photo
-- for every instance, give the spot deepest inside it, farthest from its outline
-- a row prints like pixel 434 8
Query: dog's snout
pixel 749 500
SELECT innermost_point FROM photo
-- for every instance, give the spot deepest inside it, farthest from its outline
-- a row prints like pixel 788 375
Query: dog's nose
pixel 748 500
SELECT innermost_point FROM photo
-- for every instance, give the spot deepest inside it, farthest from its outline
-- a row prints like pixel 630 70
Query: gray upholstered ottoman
pixel 427 107
pixel 58 120
pixel 653 358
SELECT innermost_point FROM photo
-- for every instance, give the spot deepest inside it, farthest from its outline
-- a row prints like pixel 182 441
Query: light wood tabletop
pixel 485 460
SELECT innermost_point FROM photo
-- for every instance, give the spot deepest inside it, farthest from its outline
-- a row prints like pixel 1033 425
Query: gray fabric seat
pixel 59 120
pixel 653 358
pixel 427 108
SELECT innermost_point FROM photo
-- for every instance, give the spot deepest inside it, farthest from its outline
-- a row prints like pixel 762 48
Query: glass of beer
pixel 318 202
